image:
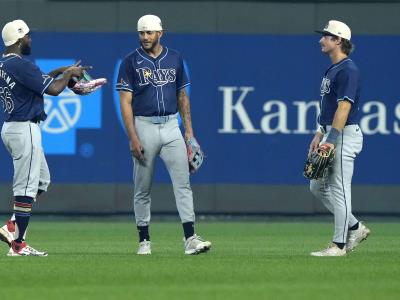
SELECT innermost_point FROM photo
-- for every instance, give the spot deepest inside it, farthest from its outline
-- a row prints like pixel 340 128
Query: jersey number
pixel 5 95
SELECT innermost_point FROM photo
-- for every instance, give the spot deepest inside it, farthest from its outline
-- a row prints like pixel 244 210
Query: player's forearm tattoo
pixel 184 110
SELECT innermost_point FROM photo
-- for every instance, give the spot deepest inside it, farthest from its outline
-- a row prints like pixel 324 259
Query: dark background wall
pixel 267 17
pixel 206 17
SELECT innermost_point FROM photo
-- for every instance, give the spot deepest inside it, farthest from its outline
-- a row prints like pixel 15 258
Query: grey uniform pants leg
pixel 23 141
pixel 44 179
pixel 174 155
pixel 165 140
pixel 334 189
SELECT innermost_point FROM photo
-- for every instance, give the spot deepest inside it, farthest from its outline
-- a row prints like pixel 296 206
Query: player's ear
pixel 160 33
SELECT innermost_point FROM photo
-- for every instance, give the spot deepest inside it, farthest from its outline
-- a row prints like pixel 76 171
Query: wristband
pixel 332 136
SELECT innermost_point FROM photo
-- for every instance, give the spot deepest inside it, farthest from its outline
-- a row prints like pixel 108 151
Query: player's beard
pixel 25 49
pixel 150 46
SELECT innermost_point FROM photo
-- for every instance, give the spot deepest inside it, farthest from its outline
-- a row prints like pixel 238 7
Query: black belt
pixel 36 120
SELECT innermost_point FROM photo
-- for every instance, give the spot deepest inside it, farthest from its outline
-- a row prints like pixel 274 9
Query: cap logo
pixel 20 30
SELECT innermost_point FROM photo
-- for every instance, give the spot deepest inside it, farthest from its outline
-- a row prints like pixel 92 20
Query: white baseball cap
pixel 336 28
pixel 149 23
pixel 13 31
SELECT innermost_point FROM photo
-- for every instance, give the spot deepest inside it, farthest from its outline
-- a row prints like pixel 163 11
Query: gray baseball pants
pixel 161 136
pixel 23 141
pixel 334 189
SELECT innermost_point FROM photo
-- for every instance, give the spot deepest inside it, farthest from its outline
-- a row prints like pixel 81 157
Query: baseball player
pixel 151 85
pixel 338 119
pixel 22 86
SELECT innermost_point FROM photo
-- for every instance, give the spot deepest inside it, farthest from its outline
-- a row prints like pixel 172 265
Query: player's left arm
pixel 339 121
pixel 341 115
pixel 184 110
pixel 346 92
pixel 61 70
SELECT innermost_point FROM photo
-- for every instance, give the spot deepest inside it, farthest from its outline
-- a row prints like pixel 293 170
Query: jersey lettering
pixel 7 79
pixel 157 77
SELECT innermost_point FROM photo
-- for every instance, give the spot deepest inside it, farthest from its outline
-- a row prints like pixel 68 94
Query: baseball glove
pixel 195 154
pixel 85 85
pixel 318 161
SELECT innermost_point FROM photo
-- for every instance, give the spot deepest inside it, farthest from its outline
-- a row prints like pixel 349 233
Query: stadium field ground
pixel 248 260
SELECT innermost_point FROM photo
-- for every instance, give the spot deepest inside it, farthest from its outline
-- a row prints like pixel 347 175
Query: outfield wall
pixel 270 17
pixel 287 200
pixel 254 112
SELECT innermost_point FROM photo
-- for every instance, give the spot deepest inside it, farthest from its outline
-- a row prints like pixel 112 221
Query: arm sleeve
pixel 125 77
pixel 33 78
pixel 182 79
pixel 347 82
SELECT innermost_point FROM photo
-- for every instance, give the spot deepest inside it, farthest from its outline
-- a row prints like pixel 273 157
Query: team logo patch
pixel 122 84
pixel 325 86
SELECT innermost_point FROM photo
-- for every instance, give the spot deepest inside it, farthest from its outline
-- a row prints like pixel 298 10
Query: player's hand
pixel 77 71
pixel 315 143
pixel 137 150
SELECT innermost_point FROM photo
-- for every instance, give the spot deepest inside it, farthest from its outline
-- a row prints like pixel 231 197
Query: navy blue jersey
pixel 22 85
pixel 154 82
pixel 340 83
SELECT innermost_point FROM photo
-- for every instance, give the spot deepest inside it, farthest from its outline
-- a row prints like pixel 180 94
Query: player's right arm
pixel 58 85
pixel 126 99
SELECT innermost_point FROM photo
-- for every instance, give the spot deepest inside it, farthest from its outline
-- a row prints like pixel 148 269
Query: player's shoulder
pixel 348 63
pixel 349 66
pixel 15 60
pixel 131 55
pixel 17 64
pixel 173 52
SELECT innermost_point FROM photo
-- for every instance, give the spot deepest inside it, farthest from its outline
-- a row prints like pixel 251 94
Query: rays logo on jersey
pixel 157 77
pixel 325 86
pixel 67 113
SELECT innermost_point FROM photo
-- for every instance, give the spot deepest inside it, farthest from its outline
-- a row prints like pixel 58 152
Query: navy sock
pixel 188 229
pixel 143 233
pixel 355 227
pixel 22 210
pixel 340 245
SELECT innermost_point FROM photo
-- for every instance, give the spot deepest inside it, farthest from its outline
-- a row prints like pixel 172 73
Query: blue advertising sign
pixel 254 108
pixel 67 113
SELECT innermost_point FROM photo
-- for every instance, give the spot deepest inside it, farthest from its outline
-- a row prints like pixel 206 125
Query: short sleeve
pixel 182 79
pixel 347 85
pixel 33 78
pixel 125 76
